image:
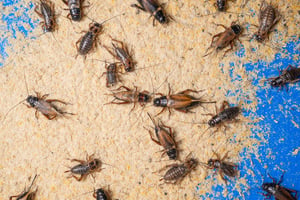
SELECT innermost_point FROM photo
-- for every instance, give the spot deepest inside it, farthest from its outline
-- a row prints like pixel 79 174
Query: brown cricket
pixel 181 101
pixel 26 193
pixel 46 106
pixel 223 167
pixel 164 138
pixel 43 105
pixel 225 38
pixel 122 54
pixel 129 96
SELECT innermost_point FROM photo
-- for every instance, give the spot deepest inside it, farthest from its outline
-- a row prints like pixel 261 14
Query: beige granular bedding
pixel 111 132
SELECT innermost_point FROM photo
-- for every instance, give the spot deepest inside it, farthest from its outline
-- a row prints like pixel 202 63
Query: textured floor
pixel 165 55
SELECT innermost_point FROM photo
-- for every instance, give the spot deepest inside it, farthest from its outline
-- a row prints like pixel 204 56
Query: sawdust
pixel 111 132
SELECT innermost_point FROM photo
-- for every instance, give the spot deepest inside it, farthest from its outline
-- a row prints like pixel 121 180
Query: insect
pixel 289 75
pixel 225 114
pixel 85 168
pixel 100 194
pixel 268 17
pixel 88 41
pixel 164 138
pixel 225 38
pixel 43 105
pixel 224 168
pixel 130 96
pixel 181 101
pixel 111 74
pixel 153 8
pixel 279 192
pixel 178 171
pixel 75 7
pixel 26 193
pixel 220 5
pixel 122 54
pixel 47 13
pixel 46 106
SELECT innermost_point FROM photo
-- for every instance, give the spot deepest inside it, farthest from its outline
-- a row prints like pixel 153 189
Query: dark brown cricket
pixel 177 172
pixel 152 7
pixel 268 17
pixel 90 166
pixel 224 168
pixel 226 113
pixel 75 8
pixel 46 12
pixel 88 41
pixel 289 75
pixel 277 191
pixel 111 74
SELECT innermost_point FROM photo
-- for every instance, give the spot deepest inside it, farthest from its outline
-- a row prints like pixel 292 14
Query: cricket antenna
pixel 154 65
pixel 151 118
pixel 19 102
pixel 108 164
pixel 203 134
pixel 12 109
pixel 32 182
pixel 86 15
pixel 85 193
pixel 223 12
pixel 112 18
pixel 205 130
pixel 191 122
pixel 165 79
pixel 106 19
pixel 56 40
pixel 208 53
pixel 26 82
pixel 105 61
